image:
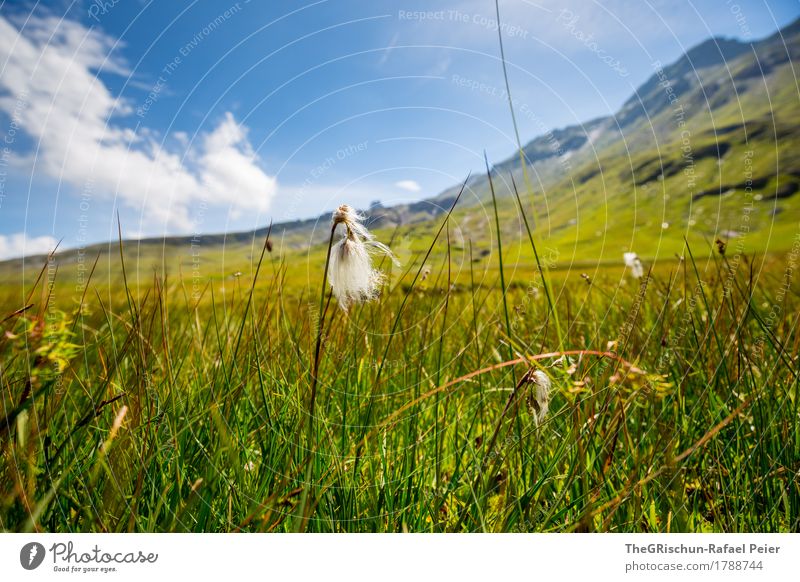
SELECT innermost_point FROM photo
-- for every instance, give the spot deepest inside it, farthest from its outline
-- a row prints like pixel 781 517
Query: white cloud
pixel 20 245
pixel 408 185
pixel 228 171
pixel 50 86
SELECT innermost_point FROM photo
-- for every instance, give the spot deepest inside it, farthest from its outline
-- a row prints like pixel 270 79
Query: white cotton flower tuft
pixel 632 261
pixel 350 217
pixel 539 399
pixel 351 274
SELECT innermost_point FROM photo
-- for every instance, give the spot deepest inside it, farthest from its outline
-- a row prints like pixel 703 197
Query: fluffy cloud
pixel 20 245
pixel 408 185
pixel 50 87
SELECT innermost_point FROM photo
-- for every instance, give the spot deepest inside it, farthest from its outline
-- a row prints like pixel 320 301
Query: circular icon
pixel 31 555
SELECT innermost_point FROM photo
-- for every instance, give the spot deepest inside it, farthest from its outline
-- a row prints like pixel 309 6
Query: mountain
pixel 717 81
pixel 707 147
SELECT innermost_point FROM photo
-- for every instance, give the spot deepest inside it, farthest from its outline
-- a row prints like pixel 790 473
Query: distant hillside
pixel 701 138
pixel 719 83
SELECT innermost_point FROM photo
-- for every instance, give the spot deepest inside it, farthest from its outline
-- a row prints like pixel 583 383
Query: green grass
pixel 174 391
pixel 685 421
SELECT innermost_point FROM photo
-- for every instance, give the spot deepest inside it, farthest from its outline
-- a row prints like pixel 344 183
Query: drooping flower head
pixel 351 274
pixel 632 261
pixel 539 397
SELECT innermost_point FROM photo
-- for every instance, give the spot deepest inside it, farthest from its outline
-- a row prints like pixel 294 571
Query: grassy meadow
pixel 137 398
pixel 161 386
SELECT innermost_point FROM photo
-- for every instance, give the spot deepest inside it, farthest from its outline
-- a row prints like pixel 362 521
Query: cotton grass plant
pixel 634 264
pixel 539 398
pixel 603 457
pixel 608 451
pixel 352 276
pixel 348 268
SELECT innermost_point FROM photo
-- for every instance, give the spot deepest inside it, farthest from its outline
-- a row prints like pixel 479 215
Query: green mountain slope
pixel 706 149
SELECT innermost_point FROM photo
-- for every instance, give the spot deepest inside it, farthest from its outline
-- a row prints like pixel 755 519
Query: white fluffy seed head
pixel 350 217
pixel 632 261
pixel 351 275
pixel 540 396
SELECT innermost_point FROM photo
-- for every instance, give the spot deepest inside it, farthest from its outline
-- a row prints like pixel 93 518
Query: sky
pixel 205 117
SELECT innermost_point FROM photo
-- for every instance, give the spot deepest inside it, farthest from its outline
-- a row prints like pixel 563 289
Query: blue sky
pixel 218 116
